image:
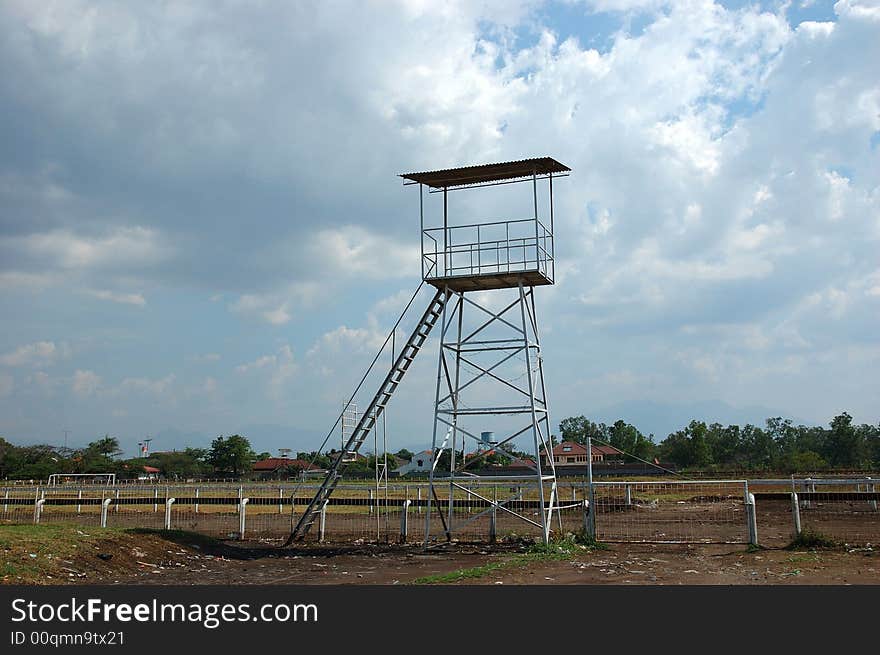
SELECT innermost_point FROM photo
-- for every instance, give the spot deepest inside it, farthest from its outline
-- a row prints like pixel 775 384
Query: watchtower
pixel 490 371
pixel 490 368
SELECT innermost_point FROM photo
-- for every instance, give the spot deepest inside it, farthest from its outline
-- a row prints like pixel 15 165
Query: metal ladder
pixel 374 410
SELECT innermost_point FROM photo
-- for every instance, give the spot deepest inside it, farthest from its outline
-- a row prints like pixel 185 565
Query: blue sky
pixel 202 231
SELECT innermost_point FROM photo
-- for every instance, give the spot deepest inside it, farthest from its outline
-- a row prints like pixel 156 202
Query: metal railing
pixel 489 248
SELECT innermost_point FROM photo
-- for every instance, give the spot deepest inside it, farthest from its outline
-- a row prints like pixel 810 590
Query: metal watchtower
pixel 490 369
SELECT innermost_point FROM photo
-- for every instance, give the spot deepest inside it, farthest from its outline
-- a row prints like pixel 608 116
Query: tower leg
pixel 490 347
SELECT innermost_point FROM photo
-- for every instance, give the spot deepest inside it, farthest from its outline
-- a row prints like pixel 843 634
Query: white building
pixel 420 463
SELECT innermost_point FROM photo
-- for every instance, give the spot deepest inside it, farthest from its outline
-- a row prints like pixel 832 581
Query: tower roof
pixel 453 177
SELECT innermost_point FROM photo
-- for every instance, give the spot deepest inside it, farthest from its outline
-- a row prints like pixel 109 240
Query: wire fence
pixel 675 511
pixel 672 511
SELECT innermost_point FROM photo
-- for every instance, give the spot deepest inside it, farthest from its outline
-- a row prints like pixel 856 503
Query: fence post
pixel 796 514
pixel 168 503
pixel 292 509
pixel 587 523
pixel 79 505
pixel 6 502
pixel 591 513
pixel 104 505
pixel 156 499
pixel 493 524
pixel 404 520
pixel 280 500
pixel 371 501
pixel 242 512
pixel 628 497
pixel 116 504
pixel 751 517
pixel 808 488
pixel 197 500
pixel 38 508
pixel 870 488
pixel 322 523
pixel 418 495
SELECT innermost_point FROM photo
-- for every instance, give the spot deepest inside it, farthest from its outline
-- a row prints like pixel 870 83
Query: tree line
pixel 230 456
pixel 777 446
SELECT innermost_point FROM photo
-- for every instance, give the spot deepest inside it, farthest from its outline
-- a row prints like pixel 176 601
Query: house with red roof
pixel 571 453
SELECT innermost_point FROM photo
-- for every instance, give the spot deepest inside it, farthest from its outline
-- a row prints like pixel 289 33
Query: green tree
pixel 100 456
pixel 188 463
pixel 231 455
pixel 31 462
pixel 688 448
pixel 403 453
pixel 578 428
pixel 761 450
pixel 843 447
pixel 627 438
pixel 725 445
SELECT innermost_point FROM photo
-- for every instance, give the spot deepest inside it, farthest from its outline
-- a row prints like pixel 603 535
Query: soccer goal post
pixel 103 479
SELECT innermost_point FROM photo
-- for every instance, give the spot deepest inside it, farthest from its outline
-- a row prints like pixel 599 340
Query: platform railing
pixel 489 248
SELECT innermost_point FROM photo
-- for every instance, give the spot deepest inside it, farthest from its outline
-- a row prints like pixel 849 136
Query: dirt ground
pixel 186 559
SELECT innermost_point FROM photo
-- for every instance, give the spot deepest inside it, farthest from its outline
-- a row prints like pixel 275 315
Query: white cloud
pixel 277 316
pixel 123 298
pixel 85 383
pixel 354 251
pixel 345 340
pixel 723 202
pixel 865 9
pixel 124 246
pixel 273 307
pixel 278 368
pixel 41 353
pixel 260 362
pixel 156 387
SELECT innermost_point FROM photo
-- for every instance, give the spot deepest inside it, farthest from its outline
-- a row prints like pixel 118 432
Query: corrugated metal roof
pixel 453 177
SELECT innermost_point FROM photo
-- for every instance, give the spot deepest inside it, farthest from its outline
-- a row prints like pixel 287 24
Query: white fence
pixel 670 511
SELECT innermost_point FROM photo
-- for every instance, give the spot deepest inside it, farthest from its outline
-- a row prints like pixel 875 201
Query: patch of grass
pixel 557 550
pixel 803 558
pixel 812 539
pixel 32 553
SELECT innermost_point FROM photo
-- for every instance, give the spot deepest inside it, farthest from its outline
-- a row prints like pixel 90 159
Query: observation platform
pixel 461 283
pixel 495 254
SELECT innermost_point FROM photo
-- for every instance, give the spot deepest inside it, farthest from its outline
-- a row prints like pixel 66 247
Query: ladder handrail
pixel 372 413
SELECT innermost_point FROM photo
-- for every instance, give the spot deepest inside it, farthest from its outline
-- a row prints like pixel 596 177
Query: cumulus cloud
pixel 721 222
pixel 85 383
pixel 277 368
pixel 155 387
pixel 122 298
pixel 41 353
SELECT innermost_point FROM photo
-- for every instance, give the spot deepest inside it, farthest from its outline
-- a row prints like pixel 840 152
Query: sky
pixel 202 231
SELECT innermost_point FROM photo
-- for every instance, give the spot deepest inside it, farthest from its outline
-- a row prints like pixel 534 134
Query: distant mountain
pixel 661 419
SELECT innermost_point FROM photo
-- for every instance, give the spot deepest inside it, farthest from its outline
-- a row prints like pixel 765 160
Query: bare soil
pixel 186 559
